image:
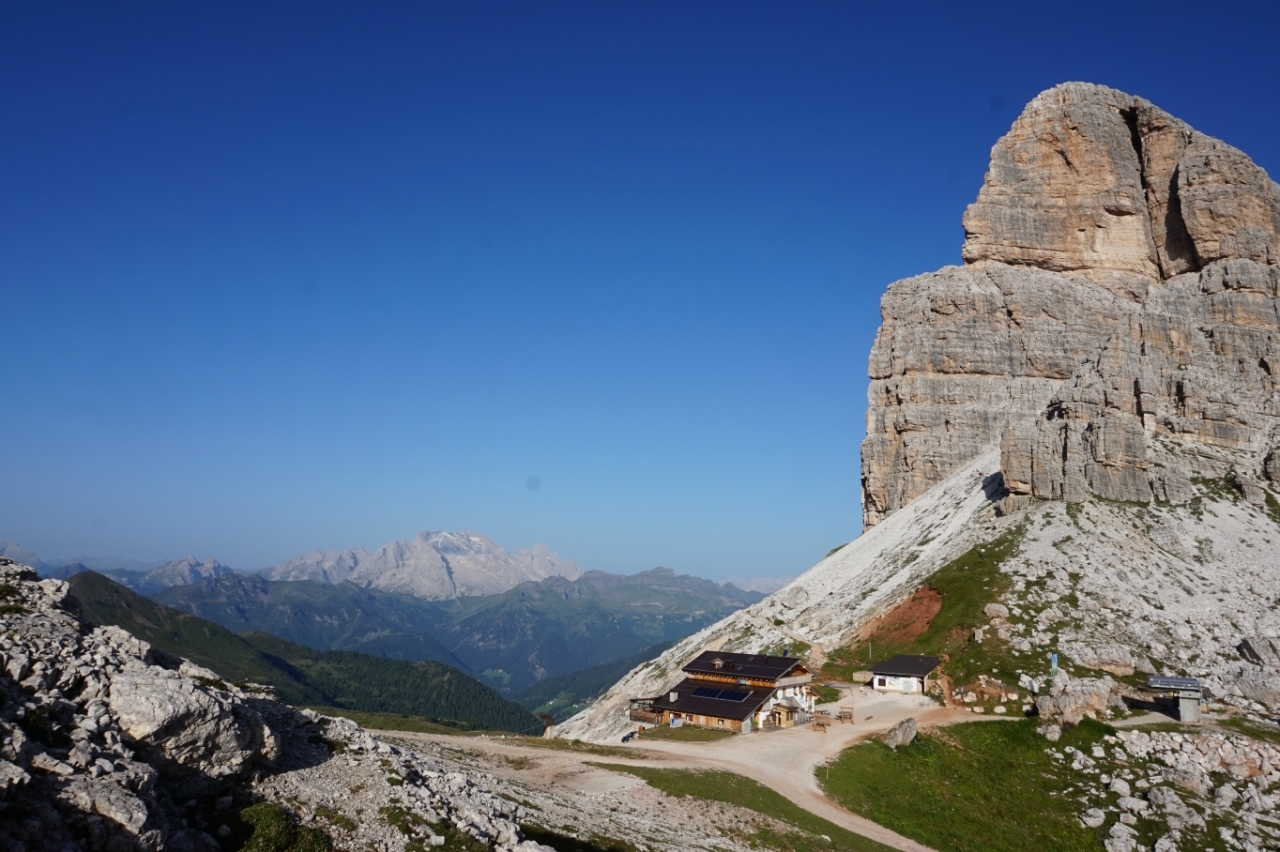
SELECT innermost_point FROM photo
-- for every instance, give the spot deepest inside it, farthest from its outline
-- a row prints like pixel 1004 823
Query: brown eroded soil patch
pixel 894 629
pixel 906 621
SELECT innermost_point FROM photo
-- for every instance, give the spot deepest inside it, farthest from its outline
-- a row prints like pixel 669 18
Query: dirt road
pixel 783 760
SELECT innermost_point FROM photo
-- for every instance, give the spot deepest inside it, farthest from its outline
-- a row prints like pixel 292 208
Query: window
pixel 720 722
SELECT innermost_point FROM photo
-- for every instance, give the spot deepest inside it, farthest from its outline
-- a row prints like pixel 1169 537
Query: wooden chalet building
pixel 733 692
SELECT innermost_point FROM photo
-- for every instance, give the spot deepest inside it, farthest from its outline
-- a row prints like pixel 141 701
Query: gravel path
pixel 783 760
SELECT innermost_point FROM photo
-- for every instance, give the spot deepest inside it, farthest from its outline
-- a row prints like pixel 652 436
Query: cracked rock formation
pixel 107 745
pixel 1120 284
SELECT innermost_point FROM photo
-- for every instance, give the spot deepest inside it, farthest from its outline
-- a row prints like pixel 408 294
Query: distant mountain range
pixel 511 640
pixel 301 675
pixel 459 599
pixel 432 565
pixel 182 571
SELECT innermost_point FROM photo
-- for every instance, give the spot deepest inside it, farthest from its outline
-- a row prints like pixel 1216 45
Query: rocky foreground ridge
pixel 106 744
pixel 1119 293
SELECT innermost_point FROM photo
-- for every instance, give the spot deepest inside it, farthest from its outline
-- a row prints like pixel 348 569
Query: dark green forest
pixel 301 675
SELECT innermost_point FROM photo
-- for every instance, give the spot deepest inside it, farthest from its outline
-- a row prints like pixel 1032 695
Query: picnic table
pixel 846 714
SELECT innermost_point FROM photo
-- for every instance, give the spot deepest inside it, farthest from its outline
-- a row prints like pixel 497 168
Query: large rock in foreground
pixel 109 746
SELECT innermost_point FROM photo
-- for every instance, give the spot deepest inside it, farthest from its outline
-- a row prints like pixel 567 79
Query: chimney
pixel 673 697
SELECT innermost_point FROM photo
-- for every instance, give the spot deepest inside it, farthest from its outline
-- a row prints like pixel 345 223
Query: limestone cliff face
pixel 1120 284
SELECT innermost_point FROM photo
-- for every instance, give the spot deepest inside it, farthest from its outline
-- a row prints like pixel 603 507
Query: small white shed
pixel 906 673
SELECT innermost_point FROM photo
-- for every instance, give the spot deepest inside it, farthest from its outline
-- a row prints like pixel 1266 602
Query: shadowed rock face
pixel 1120 283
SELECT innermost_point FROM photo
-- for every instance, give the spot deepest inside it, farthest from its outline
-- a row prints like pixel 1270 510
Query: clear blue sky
pixel 276 277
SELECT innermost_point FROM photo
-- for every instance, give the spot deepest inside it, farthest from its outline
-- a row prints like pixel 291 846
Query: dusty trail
pixel 783 760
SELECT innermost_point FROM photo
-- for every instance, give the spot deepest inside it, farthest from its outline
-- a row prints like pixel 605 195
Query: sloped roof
pixel 695 697
pixel 906 665
pixel 743 665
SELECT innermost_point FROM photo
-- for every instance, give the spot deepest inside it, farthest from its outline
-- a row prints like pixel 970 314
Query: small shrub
pixel 41 725
pixel 212 683
pixel 334 746
pixel 336 817
pixel 274 831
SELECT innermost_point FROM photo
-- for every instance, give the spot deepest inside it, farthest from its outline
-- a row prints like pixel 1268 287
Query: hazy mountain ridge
pixel 318 615
pixel 519 636
pixel 432 565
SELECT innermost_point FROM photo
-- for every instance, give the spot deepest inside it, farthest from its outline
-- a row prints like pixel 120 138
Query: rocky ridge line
pixel 106 744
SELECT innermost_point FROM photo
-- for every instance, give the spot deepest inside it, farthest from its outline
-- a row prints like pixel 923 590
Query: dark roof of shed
pixel 687 702
pixel 1185 684
pixel 906 665
pixel 743 665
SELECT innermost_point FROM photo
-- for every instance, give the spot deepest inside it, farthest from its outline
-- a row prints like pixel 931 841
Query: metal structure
pixel 1185 690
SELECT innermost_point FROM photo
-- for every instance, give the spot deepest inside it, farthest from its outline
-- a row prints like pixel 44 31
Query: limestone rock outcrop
pixel 901 734
pixel 1120 286
pixel 1070 699
pixel 109 746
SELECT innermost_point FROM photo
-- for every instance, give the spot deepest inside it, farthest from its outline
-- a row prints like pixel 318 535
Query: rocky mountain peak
pixel 184 571
pixel 1114 333
pixel 1092 179
pixel 1120 276
pixel 433 564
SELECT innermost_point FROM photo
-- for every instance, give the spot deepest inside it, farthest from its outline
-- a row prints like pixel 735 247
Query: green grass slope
pixel 986 786
pixel 806 831
pixel 428 689
pixel 301 675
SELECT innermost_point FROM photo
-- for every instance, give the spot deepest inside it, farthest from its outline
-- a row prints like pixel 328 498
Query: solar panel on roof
pixel 720 694
pixel 1158 682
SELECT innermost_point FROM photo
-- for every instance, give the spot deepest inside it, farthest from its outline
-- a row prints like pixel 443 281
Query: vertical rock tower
pixel 1114 327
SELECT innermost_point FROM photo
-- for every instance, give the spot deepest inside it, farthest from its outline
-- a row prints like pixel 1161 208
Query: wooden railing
pixel 646 716
pixel 794 681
